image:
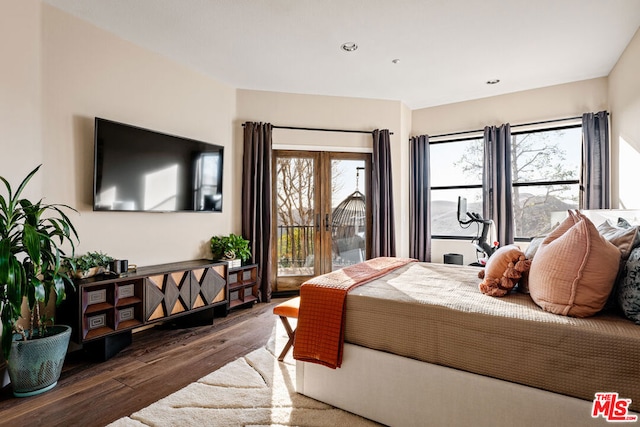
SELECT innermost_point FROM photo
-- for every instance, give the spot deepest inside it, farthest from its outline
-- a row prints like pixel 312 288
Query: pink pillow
pixel 574 269
pixel 503 270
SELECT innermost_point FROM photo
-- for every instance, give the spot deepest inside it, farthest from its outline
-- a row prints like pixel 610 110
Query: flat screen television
pixel 141 170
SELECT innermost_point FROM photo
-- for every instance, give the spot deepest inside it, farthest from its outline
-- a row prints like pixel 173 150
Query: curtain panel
pixel 496 181
pixel 420 200
pixel 595 186
pixel 383 238
pixel 256 200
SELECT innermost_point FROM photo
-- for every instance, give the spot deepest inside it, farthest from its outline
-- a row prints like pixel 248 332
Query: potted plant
pixel 31 240
pixel 88 265
pixel 230 247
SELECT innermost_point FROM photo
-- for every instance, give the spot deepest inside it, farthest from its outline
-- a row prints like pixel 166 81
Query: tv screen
pixel 462 209
pixel 145 171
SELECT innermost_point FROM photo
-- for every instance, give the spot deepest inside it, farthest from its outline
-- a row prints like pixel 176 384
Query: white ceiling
pixel 447 49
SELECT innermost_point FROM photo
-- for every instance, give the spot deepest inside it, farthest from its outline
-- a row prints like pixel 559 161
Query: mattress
pixel 435 313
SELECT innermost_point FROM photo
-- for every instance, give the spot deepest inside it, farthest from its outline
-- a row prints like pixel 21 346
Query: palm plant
pixel 31 237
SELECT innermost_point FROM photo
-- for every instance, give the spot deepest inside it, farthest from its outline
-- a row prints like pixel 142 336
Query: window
pixel 545 171
pixel 456 170
pixel 545 180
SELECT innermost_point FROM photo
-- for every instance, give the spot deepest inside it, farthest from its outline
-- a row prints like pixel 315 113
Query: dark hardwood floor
pixel 160 360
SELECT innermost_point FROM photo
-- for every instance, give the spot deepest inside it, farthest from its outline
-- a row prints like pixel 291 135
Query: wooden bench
pixel 285 310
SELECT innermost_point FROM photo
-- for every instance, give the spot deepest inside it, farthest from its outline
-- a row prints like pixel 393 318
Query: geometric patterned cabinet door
pixel 167 294
pixel 207 286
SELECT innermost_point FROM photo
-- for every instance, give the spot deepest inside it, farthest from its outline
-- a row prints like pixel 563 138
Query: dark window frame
pixel 513 184
pixel 456 187
pixel 543 183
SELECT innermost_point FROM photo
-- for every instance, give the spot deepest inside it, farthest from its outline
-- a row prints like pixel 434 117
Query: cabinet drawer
pixel 232 278
pixel 126 314
pixel 97 324
pixel 96 297
pixel 126 291
pixel 97 321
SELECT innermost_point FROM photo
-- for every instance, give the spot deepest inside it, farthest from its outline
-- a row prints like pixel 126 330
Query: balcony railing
pixel 295 249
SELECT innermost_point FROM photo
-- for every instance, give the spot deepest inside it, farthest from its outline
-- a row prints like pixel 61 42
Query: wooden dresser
pixel 104 310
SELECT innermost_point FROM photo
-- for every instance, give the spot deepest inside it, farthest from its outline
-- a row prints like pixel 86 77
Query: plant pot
pixel 93 271
pixel 34 366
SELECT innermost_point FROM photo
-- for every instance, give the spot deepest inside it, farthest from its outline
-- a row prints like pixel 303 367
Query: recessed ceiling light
pixel 395 61
pixel 349 46
pixel 493 82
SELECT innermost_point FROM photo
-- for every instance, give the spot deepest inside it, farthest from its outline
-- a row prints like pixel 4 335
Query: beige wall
pixel 20 92
pixel 548 103
pixel 624 99
pixel 88 72
pixel 331 112
pixel 568 100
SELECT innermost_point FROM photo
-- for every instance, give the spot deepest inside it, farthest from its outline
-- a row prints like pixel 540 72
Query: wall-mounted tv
pixel 141 170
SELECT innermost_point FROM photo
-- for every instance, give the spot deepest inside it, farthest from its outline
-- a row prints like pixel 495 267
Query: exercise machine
pixel 466 218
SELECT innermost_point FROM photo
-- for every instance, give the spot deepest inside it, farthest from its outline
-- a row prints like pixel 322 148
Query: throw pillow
pixel 557 231
pixel 624 237
pixel 503 270
pixel 529 253
pixel 574 269
pixel 629 287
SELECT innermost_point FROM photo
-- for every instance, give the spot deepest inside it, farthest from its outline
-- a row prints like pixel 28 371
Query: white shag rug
pixel 255 390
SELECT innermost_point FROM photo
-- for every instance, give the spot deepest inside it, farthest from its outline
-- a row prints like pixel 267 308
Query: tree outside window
pixel 545 176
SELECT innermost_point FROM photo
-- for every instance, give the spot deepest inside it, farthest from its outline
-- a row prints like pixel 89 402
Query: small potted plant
pixel 31 254
pixel 88 265
pixel 229 248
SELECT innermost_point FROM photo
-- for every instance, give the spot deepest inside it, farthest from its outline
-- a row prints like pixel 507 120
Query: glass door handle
pixel 326 222
pixel 317 222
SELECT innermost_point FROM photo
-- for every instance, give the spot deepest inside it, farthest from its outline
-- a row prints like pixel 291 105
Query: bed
pixel 422 346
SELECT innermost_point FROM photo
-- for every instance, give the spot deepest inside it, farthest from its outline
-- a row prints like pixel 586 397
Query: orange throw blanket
pixel 319 334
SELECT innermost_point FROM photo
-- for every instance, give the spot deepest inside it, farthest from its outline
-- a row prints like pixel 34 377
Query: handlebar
pixel 480 242
pixel 475 218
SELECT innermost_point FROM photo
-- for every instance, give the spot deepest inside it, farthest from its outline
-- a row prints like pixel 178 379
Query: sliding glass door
pixel 321 214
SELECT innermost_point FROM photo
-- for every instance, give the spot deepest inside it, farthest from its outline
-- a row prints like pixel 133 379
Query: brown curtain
pixel 256 200
pixel 420 200
pixel 383 236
